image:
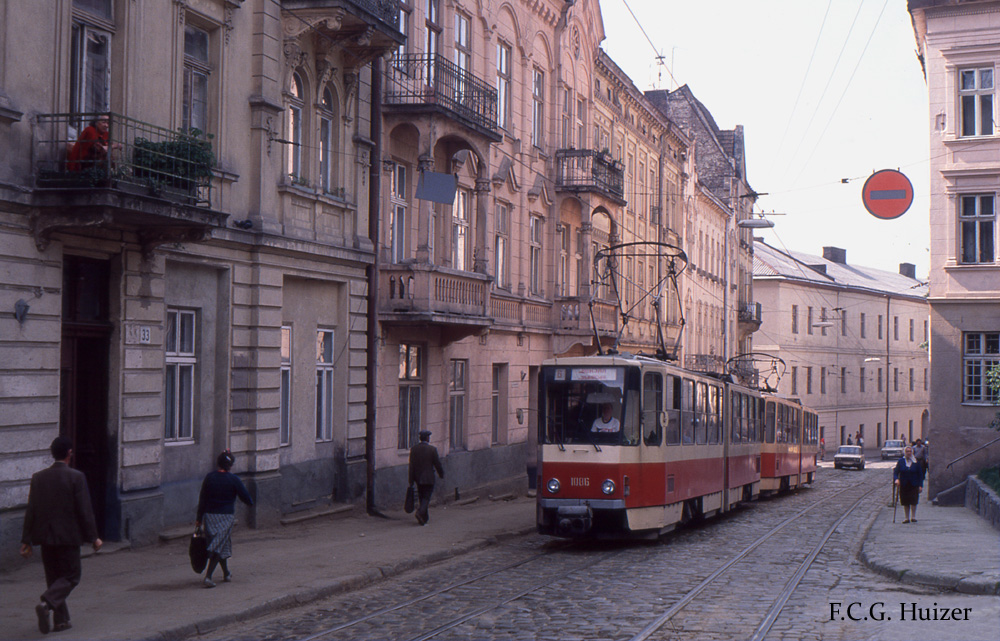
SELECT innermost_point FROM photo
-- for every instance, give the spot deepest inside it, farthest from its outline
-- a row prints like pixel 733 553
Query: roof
pixel 772 263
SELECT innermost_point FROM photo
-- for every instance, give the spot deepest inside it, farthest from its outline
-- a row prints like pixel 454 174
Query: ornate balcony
pixel 420 294
pixel 709 363
pixel 365 29
pixel 433 84
pixel 143 178
pixel 586 170
pixel 749 314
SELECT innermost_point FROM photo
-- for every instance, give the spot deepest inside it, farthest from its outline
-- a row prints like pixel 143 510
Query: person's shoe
pixel 42 610
pixel 913 520
pixel 59 627
pixel 209 583
pixel 227 577
pixel 906 521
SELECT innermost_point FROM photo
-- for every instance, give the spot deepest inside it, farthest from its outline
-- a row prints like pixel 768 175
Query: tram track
pixel 475 597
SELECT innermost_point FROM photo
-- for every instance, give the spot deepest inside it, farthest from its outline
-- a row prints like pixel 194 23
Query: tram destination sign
pixel 887 194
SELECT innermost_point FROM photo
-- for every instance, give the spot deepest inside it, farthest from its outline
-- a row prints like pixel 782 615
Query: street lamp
pixel 755 223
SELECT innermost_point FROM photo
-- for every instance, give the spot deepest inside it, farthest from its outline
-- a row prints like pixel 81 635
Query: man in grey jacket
pixel 60 519
pixel 424 461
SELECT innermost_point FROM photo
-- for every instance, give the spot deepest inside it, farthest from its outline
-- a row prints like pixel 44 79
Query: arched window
pixel 296 93
pixel 327 142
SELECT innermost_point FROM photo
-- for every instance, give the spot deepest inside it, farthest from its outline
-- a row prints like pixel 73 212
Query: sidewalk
pixel 152 593
pixel 947 547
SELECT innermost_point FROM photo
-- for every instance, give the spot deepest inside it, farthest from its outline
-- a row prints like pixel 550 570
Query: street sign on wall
pixel 887 194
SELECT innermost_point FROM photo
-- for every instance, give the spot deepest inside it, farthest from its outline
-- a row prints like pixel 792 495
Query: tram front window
pixel 577 409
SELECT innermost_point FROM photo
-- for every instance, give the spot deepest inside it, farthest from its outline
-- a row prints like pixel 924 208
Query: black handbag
pixel 410 498
pixel 198 551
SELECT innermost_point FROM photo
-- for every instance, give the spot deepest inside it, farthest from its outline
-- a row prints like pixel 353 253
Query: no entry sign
pixel 887 194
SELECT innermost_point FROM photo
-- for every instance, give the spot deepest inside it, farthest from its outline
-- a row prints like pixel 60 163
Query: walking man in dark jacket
pixel 60 519
pixel 424 461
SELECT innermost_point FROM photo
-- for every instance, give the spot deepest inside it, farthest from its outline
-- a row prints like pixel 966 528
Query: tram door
pixel 83 376
pixel 652 477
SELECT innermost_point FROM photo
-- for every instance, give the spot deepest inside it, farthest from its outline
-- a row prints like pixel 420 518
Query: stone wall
pixel 982 500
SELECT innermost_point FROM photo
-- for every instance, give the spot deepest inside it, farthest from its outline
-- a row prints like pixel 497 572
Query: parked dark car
pixel 893 449
pixel 849 456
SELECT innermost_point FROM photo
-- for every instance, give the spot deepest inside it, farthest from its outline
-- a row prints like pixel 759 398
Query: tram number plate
pixel 579 482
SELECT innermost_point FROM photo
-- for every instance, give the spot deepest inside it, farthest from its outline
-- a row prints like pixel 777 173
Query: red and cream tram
pixel 633 446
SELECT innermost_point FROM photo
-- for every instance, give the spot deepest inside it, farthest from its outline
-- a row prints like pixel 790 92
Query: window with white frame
pixel 795 319
pixel 460 245
pixel 324 384
pixel 398 237
pixel 981 351
pixel 581 123
pixel 537 106
pixel 285 395
pixel 433 30
pixel 975 91
pixel 90 67
pixel 294 127
pixel 535 266
pixel 181 363
pixel 194 107
pixel 977 219
pixel 566 121
pixel 503 246
pixel 581 276
pixel 503 85
pixel 411 385
pixel 405 9
pixel 456 403
pixel 463 51
pixel 327 148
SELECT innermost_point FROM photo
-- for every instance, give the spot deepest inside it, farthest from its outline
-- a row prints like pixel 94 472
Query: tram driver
pixel 606 423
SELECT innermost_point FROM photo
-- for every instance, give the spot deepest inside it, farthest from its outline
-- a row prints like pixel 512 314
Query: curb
pixel 338 586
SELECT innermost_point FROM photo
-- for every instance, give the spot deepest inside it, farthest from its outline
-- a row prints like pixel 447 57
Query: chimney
pixel 909 270
pixel 835 255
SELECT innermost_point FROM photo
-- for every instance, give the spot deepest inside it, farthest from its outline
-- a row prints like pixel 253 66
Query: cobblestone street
pixel 533 587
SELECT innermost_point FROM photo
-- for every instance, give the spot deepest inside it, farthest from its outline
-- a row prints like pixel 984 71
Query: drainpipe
pixel 374 214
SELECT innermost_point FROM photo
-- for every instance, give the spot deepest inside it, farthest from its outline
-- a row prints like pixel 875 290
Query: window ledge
pixel 314 194
pixel 178 442
pixel 961 140
pixel 952 266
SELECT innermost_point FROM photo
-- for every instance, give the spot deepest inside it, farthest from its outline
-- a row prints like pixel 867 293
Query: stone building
pixel 958 44
pixel 718 294
pixel 200 282
pixel 853 341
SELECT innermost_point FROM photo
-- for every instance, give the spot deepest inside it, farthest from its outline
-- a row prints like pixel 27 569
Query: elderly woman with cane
pixel 908 476
pixel 216 508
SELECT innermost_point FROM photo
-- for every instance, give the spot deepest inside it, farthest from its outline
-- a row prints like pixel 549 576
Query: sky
pixel 825 91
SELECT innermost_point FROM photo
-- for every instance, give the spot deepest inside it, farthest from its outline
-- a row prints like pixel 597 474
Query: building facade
pixel 959 49
pixel 197 280
pixel 854 342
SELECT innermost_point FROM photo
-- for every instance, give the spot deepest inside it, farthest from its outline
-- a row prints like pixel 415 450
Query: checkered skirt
pixel 219 530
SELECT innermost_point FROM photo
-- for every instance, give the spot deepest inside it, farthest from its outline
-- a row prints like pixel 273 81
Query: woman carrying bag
pixel 216 507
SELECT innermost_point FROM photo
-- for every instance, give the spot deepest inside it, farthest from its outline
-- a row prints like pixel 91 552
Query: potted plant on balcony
pixel 180 163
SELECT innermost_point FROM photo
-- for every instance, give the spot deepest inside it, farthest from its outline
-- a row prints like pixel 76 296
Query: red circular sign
pixel 887 194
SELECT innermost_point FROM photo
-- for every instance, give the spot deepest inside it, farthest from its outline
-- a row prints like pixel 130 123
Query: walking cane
pixel 895 489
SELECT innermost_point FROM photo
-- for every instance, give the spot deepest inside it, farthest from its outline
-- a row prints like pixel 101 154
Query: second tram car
pixel 631 446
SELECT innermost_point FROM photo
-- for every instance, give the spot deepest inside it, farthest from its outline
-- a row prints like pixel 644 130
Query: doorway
pixel 83 376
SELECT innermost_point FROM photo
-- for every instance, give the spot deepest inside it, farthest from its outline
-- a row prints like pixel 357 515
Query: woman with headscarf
pixel 908 475
pixel 216 507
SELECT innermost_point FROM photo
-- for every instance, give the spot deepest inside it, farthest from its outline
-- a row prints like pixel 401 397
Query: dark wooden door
pixel 83 407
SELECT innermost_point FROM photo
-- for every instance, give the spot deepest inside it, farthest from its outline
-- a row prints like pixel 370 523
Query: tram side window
pixel 652 406
pixel 746 418
pixel 769 420
pixel 688 416
pixel 734 422
pixel 743 418
pixel 796 425
pixel 701 407
pixel 714 413
pixel 673 431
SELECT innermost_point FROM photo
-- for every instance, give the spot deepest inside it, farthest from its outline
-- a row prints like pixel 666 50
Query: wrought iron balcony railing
pixel 749 312
pixel 385 10
pixel 432 80
pixel 70 154
pixel 589 170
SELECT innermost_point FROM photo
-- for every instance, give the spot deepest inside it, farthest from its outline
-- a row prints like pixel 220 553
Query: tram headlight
pixel 553 486
pixel 608 487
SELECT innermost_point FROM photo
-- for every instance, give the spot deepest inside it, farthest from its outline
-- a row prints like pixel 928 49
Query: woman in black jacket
pixel 909 476
pixel 216 507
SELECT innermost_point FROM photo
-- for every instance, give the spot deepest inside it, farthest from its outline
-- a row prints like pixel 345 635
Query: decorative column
pixel 481 262
pixel 424 163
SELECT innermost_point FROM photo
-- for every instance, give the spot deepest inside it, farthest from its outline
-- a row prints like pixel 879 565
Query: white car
pixel 893 449
pixel 849 456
